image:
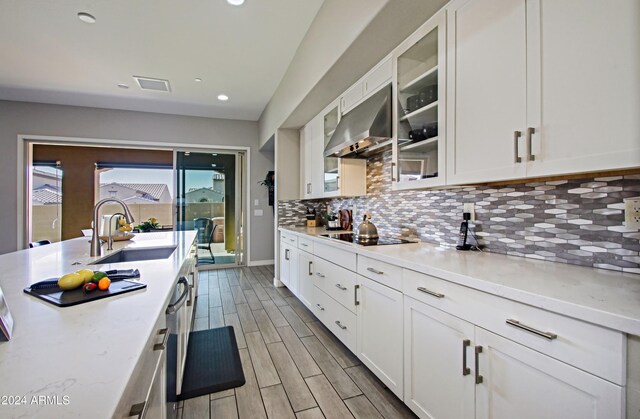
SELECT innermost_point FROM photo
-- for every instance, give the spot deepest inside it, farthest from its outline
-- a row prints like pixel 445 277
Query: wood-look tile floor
pixel 294 367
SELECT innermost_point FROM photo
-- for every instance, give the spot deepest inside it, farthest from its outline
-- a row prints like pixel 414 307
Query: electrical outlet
pixel 632 213
pixel 470 207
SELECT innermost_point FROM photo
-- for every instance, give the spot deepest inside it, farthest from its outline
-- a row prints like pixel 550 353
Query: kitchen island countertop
pixel 607 298
pixel 76 361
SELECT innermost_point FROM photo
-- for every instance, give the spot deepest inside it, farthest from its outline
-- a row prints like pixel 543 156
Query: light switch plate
pixel 470 207
pixel 256 203
pixel 258 213
pixel 632 213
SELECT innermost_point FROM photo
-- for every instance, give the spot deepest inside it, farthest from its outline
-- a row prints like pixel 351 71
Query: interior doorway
pixel 210 191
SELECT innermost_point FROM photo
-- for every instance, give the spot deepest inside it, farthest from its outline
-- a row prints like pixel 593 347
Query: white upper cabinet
pixel 419 105
pixel 584 99
pixel 367 85
pixel 311 159
pixel 487 90
pixel 538 88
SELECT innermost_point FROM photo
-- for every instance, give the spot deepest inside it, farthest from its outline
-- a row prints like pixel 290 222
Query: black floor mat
pixel 213 363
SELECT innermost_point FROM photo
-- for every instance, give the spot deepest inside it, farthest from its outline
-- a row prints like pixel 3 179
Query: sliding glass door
pixel 210 189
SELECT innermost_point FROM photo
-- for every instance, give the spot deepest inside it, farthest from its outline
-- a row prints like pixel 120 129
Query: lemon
pixel 70 281
pixel 86 274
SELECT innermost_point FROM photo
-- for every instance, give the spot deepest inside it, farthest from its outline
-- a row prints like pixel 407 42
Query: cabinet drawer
pixel 340 321
pixel 305 244
pixel 384 273
pixel 589 347
pixel 289 238
pixel 139 386
pixel 338 256
pixel 337 282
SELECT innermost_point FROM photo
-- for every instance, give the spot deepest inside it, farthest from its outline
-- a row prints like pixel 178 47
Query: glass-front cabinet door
pixel 419 140
pixel 331 164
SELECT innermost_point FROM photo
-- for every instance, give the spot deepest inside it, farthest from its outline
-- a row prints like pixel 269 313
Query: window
pixel 148 192
pixel 46 202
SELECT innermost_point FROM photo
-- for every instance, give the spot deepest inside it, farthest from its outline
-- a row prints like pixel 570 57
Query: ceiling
pixel 48 55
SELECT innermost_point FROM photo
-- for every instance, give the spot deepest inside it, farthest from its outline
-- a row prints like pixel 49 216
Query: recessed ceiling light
pixel 235 2
pixel 86 17
pixel 123 86
pixel 223 97
pixel 198 79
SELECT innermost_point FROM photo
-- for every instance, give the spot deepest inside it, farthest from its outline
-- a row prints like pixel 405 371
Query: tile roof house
pixel 137 193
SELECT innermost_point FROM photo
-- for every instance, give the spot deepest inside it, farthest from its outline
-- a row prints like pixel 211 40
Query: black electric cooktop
pixel 352 238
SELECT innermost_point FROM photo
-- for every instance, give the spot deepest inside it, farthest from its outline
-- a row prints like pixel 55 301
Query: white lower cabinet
pixel 379 341
pixel 454 369
pixel 518 382
pixel 438 382
pixel 289 265
pixel 305 278
pixel 145 394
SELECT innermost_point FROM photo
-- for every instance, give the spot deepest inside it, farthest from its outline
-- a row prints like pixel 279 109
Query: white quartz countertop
pixel 606 298
pixel 80 357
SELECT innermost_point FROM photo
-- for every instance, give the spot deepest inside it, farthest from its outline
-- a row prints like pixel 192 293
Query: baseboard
pixel 261 262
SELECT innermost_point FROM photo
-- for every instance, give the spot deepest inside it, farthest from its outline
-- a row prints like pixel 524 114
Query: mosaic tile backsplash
pixel 576 221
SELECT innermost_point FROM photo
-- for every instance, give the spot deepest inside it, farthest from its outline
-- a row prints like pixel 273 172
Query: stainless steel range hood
pixel 365 130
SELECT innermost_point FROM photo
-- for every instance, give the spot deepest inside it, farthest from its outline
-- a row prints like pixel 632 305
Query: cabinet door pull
pixel 320 307
pixel 355 295
pixel 478 376
pixel 163 345
pixel 546 335
pixel 393 165
pixel 319 274
pixel 426 291
pixel 465 370
pixel 286 254
pixel 138 410
pixel 516 136
pixel 530 155
pixel 310 263
pixel 340 325
pixel 340 287
pixel 375 271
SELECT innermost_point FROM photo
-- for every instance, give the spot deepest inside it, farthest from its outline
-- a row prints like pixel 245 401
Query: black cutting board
pixel 73 297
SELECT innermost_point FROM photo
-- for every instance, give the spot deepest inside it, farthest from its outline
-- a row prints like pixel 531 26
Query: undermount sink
pixel 133 255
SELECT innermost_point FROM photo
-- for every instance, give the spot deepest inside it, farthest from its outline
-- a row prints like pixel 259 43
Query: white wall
pixel 67 121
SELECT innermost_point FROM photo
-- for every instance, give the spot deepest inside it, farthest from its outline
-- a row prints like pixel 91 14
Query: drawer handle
pixel 546 335
pixel 163 345
pixel 304 244
pixel 320 275
pixel 426 291
pixel 465 370
pixel 340 287
pixel 138 410
pixel 478 376
pixel 375 271
pixel 320 307
pixel 340 325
